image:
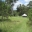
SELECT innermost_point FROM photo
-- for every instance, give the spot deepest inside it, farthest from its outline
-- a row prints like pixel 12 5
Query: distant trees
pixel 22 9
pixel 30 4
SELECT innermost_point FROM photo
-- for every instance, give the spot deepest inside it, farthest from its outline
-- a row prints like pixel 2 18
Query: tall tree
pixel 11 4
pixel 5 8
pixel 30 4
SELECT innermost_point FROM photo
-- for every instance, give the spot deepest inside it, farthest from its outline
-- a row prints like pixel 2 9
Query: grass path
pixel 17 24
pixel 23 26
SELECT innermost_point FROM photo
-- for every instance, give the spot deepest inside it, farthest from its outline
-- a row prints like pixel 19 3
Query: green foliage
pixel 15 13
pixel 30 14
pixel 30 4
pixel 22 9
pixel 30 11
pixel 6 8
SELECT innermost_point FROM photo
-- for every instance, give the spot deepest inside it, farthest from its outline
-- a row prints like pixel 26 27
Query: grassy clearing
pixel 17 24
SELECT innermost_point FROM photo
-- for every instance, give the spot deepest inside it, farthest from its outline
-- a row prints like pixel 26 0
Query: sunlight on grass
pixel 17 24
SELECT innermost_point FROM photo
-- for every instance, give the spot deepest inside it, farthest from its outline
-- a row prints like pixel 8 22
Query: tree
pixel 30 11
pixel 30 14
pixel 11 4
pixel 15 13
pixel 30 5
pixel 2 5
pixel 5 8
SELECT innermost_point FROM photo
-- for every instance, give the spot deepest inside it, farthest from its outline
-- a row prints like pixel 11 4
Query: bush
pixel 30 14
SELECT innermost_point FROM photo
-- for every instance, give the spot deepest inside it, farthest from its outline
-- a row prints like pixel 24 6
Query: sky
pixel 25 2
pixel 3 0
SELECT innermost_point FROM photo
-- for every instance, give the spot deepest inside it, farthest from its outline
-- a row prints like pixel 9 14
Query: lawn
pixel 16 24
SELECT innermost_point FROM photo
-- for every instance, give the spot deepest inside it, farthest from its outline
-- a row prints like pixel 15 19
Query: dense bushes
pixel 30 14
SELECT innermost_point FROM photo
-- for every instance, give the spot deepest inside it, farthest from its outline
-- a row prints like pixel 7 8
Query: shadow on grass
pixel 29 23
pixel 3 30
pixel 4 20
pixel 0 30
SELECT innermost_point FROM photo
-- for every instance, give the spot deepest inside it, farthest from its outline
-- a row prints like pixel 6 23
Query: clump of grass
pixel 4 20
pixel 29 23
pixel 8 26
pixel 0 30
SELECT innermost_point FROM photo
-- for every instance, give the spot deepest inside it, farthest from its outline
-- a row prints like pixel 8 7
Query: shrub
pixel 30 14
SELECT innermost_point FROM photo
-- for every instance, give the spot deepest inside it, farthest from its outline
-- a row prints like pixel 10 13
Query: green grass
pixel 17 24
